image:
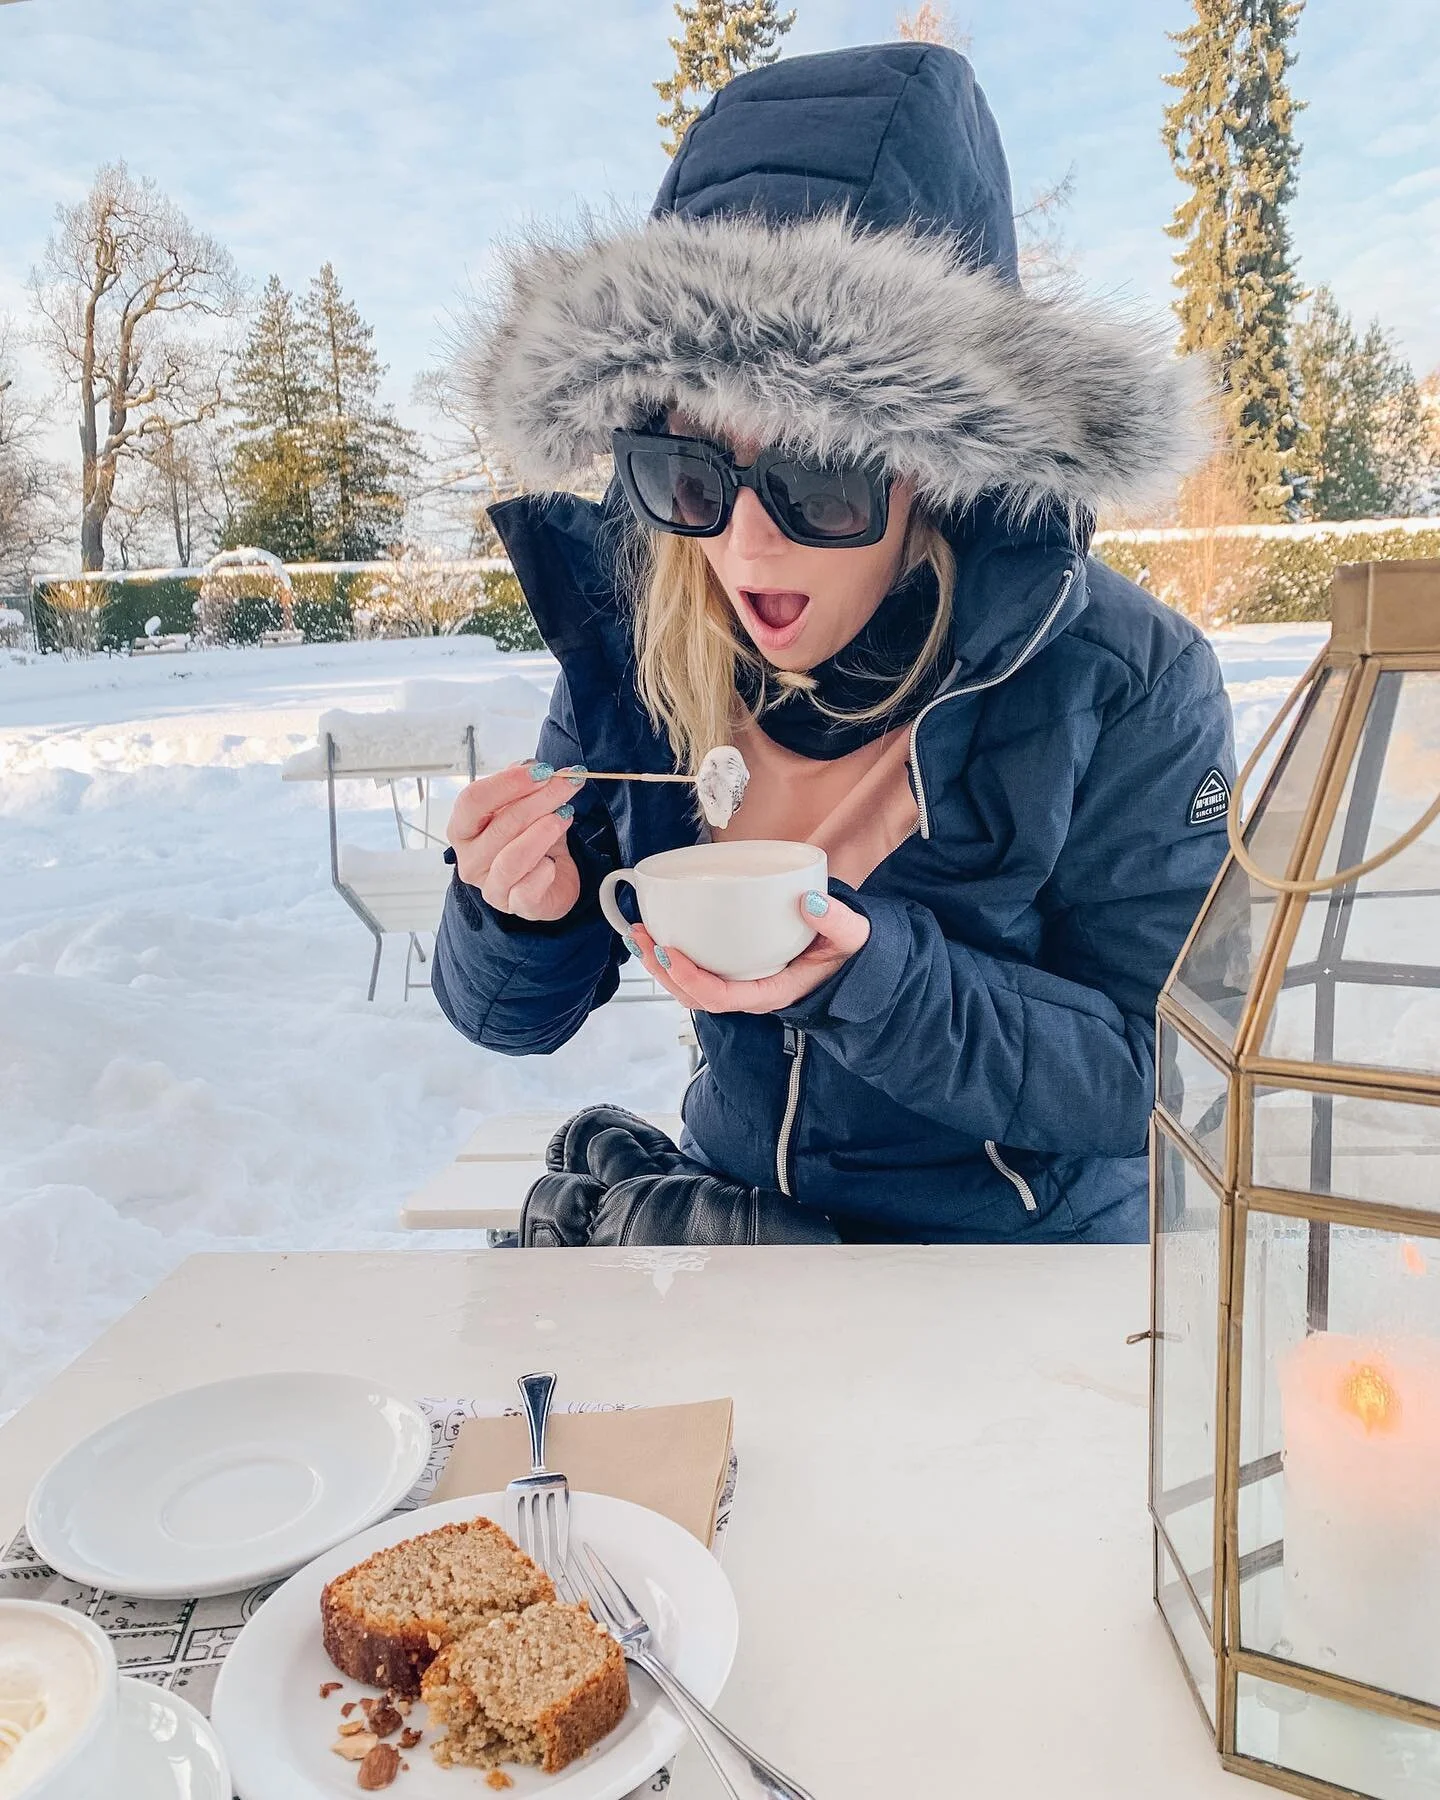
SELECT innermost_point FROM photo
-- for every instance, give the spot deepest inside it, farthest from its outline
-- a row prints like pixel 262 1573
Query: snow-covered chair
pixel 400 891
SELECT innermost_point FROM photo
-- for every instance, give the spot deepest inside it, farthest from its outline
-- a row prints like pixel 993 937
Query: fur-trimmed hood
pixel 831 268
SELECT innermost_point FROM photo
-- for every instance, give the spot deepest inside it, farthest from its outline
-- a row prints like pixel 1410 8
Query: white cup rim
pixel 107 1688
pixel 678 864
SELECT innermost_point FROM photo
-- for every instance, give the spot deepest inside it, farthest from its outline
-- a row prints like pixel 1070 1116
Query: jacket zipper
pixel 795 1039
pixel 795 1050
pixel 1021 1186
pixel 1029 648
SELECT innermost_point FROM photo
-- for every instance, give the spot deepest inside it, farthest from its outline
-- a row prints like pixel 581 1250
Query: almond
pixel 327 1688
pixel 379 1768
pixel 355 1747
pixel 410 1737
pixel 351 1726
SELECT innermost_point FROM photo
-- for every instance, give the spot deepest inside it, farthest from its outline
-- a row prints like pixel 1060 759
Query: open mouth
pixel 775 616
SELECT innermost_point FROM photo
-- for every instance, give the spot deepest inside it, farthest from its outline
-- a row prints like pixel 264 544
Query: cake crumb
pixel 384 1720
pixel 410 1737
pixel 327 1688
pixel 498 1779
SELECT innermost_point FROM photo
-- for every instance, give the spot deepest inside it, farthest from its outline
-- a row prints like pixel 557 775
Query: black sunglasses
pixel 689 486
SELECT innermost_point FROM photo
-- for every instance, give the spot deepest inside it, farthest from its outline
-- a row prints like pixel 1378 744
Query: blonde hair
pixel 689 647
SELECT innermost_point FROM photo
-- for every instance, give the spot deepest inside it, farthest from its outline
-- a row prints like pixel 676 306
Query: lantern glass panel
pixel 1362 980
pixel 1352 1148
pixel 1339 1480
pixel 1371 1753
pixel 1218 969
pixel 1194 1092
pixel 1187 1277
pixel 1187 1627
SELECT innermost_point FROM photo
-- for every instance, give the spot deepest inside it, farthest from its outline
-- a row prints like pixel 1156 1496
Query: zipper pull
pixel 792 1041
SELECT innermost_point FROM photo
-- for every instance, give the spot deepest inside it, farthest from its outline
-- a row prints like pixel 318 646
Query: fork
pixel 542 1498
pixel 614 1610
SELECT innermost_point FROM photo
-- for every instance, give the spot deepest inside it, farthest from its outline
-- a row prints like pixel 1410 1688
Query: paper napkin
pixel 673 1459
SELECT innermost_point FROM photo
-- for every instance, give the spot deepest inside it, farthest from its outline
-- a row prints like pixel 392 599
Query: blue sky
pixel 397 140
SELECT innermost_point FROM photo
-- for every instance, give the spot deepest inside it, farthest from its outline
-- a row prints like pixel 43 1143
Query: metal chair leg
pixel 375 966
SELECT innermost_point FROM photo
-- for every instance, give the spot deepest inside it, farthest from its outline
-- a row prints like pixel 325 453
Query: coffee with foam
pixel 52 1684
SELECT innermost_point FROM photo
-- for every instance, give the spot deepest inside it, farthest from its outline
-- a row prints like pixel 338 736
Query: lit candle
pixel 1362 1536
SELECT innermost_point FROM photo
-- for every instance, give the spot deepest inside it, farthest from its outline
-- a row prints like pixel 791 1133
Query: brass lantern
pixel 1295 1187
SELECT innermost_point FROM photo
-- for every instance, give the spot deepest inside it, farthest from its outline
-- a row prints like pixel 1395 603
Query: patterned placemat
pixel 180 1644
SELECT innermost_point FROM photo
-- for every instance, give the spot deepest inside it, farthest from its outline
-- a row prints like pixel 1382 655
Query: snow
pixel 187 1059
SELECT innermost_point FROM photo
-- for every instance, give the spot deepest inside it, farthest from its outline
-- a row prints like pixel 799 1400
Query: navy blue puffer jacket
pixel 983 1069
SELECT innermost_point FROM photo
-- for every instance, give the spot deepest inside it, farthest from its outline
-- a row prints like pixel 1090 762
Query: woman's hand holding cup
pixel 839 932
pixel 508 833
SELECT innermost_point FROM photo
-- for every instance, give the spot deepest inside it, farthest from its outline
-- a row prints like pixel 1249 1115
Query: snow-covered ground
pixel 187 1059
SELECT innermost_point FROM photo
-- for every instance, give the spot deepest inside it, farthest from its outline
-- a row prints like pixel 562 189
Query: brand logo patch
pixel 1212 798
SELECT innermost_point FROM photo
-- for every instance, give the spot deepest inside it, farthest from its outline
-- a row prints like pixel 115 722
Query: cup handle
pixel 614 918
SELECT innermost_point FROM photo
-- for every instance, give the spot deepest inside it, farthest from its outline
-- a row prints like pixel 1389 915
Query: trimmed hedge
pixel 120 616
pixel 325 603
pixel 505 616
pixel 1258 579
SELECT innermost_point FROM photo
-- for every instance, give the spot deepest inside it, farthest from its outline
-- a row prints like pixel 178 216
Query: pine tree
pixel 363 457
pixel 320 466
pixel 1363 450
pixel 1230 137
pixel 273 466
pixel 719 39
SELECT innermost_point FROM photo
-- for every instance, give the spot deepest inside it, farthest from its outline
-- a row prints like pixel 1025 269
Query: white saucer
pixel 221 1488
pixel 278 1731
pixel 167 1750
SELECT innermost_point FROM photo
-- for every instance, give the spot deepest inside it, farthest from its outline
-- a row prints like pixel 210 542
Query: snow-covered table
pixel 994 1634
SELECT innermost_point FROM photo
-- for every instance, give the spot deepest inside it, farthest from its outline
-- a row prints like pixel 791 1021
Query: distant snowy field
pixel 187 1059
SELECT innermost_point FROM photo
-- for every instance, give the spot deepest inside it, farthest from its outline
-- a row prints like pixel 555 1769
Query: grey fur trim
pixel 834 341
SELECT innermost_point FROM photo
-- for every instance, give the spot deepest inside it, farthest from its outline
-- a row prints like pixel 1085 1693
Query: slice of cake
pixel 384 1620
pixel 540 1688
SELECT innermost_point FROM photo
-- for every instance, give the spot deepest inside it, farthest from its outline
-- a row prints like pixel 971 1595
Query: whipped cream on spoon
pixel 720 783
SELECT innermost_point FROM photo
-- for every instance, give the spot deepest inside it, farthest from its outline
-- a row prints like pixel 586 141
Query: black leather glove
pixel 614 1180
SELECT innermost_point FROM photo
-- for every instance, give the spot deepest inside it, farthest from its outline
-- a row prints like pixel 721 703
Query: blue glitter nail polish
pixel 577 774
pixel 567 811
pixel 817 905
pixel 540 771
pixel 661 957
pixel 630 944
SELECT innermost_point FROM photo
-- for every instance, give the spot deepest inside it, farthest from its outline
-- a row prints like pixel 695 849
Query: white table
pixel 990 1632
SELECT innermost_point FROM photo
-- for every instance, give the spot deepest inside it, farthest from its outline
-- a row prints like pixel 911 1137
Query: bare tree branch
pixel 32 490
pixel 128 295
pixel 930 24
pixel 1045 257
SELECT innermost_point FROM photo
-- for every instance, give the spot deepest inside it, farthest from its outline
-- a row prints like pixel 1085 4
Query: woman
pixel 858 471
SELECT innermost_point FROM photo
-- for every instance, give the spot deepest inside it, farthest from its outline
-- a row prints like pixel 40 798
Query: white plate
pixel 223 1487
pixel 167 1750
pixel 278 1731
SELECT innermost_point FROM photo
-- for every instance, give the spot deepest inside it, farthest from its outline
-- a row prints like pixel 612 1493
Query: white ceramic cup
pixel 79 1764
pixel 732 908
